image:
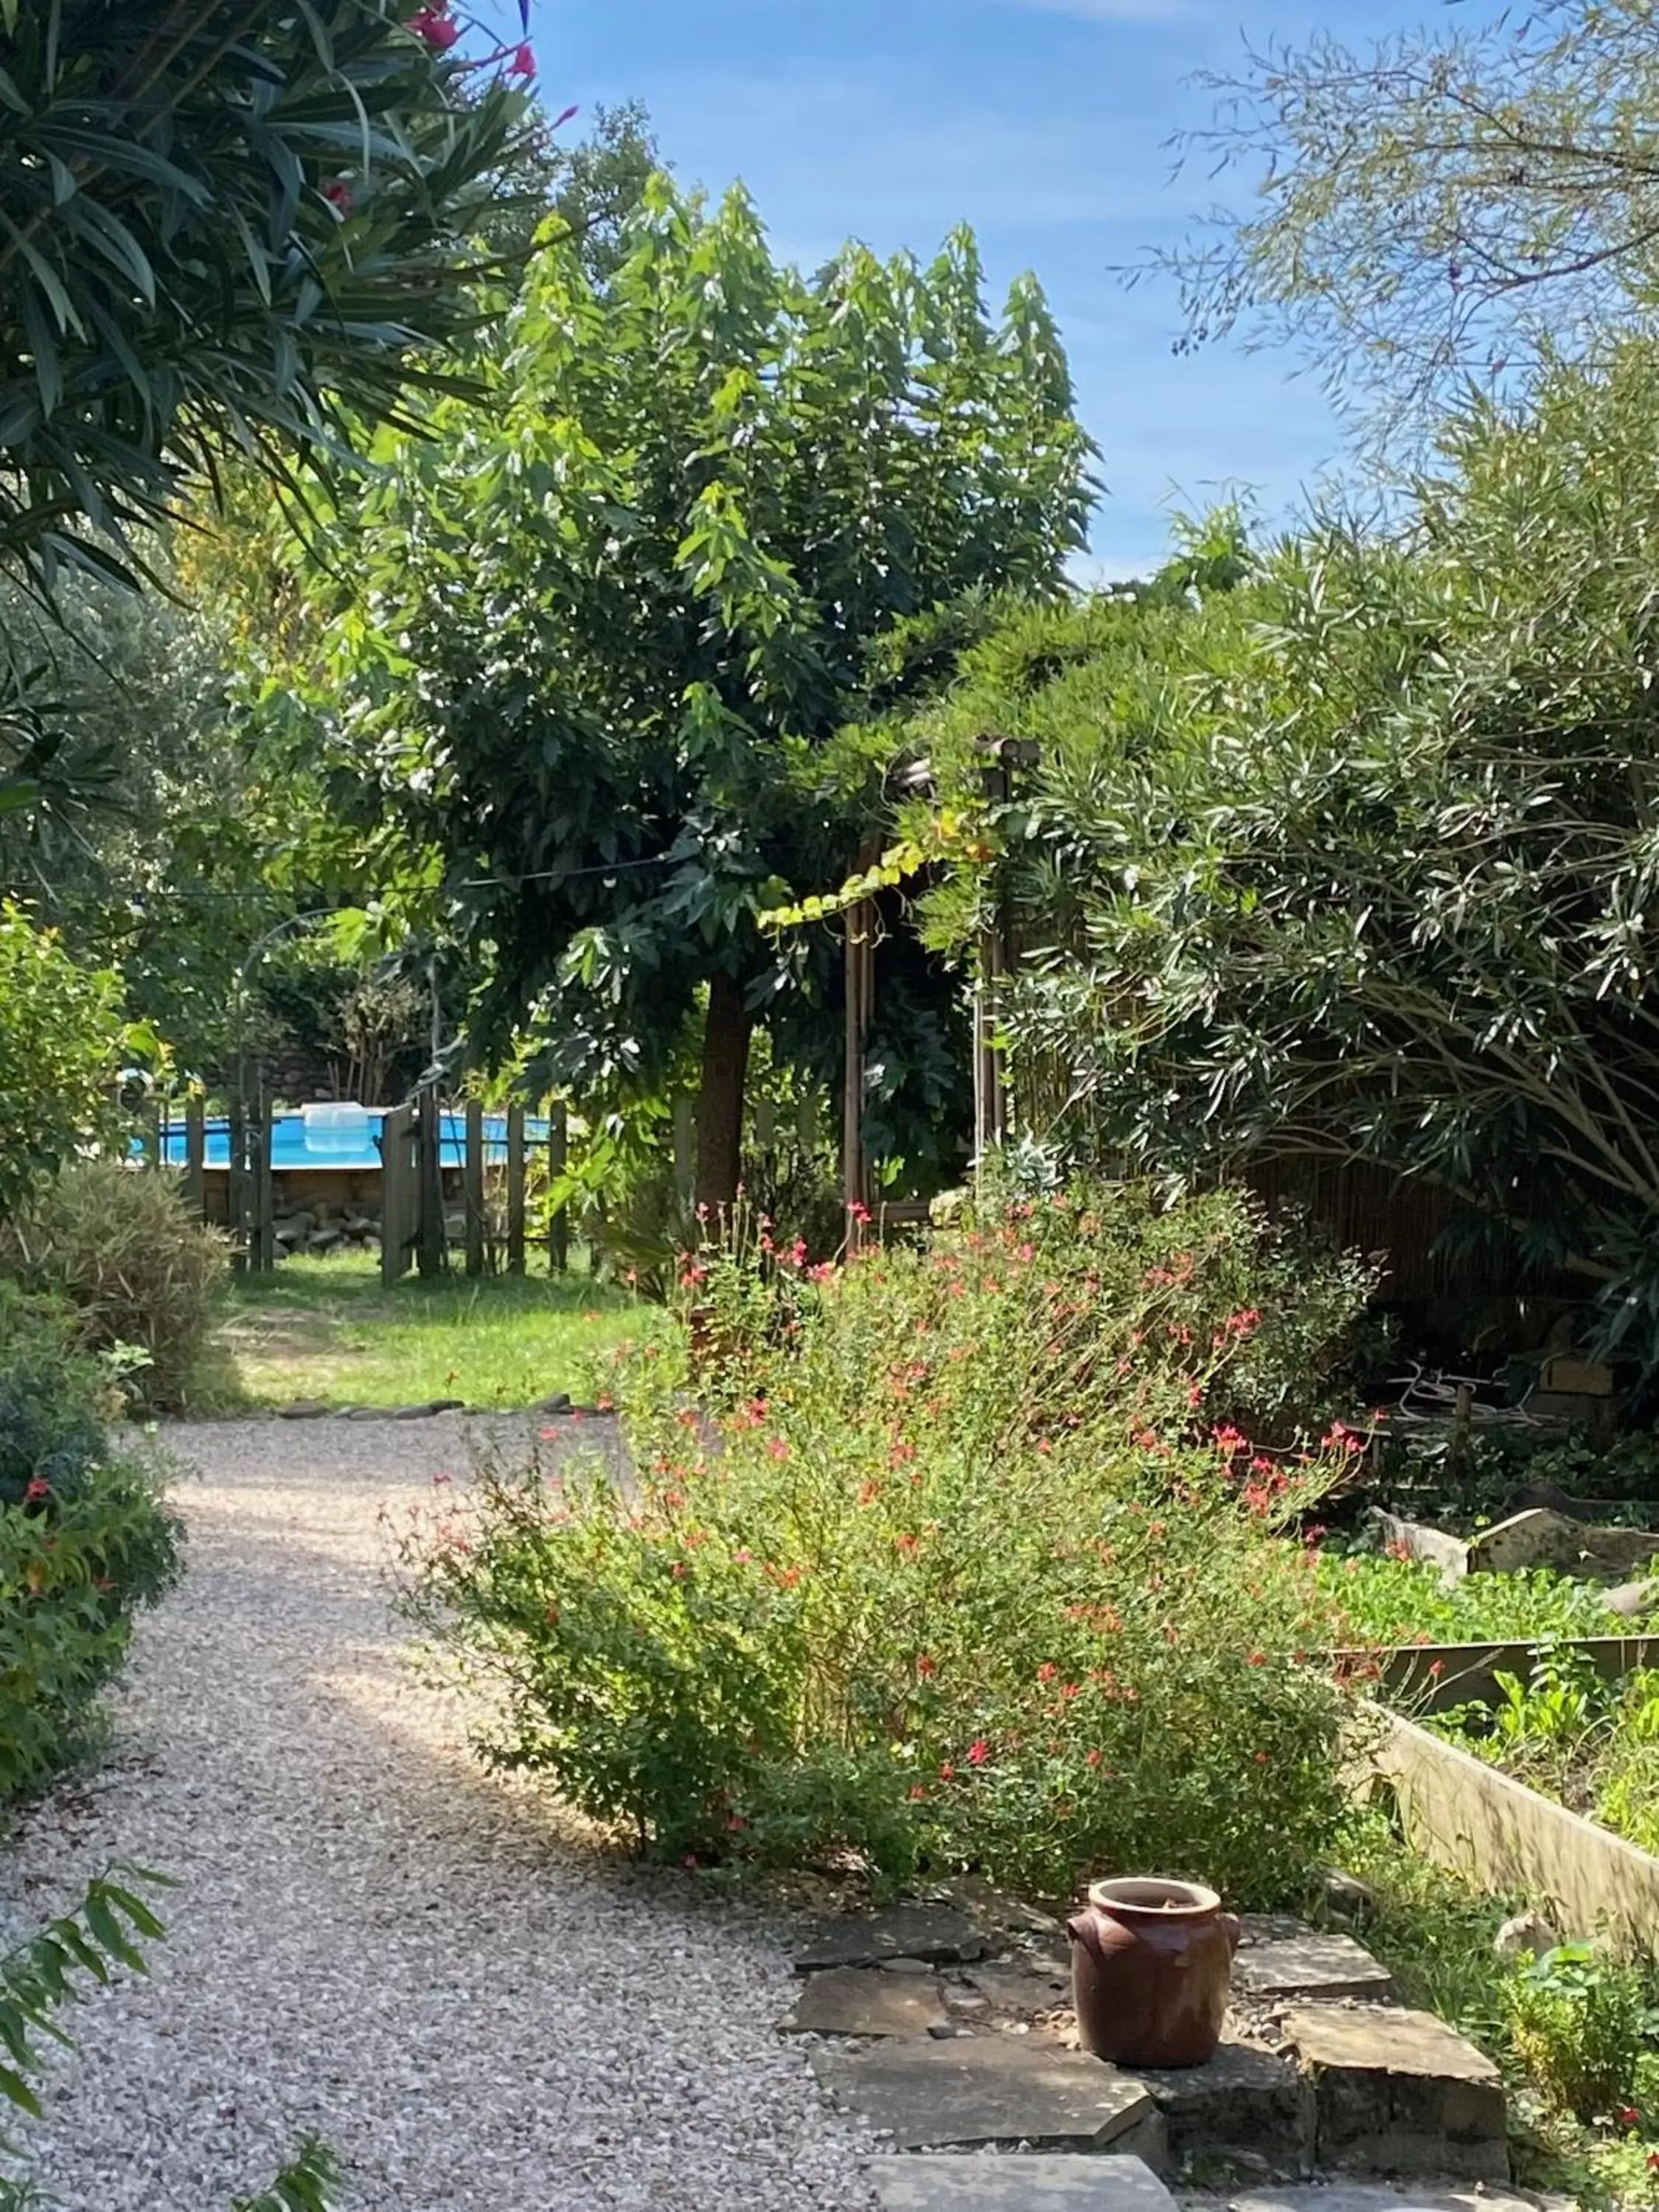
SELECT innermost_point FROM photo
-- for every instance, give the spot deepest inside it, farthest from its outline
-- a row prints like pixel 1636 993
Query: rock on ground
pixel 372 1940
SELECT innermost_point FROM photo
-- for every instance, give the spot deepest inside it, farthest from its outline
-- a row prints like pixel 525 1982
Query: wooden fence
pixel 418 1220
pixel 437 1196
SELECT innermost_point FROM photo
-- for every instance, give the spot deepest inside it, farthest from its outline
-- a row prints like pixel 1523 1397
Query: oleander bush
pixel 961 1560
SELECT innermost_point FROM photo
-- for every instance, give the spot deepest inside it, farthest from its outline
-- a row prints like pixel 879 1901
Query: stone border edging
pixel 558 1407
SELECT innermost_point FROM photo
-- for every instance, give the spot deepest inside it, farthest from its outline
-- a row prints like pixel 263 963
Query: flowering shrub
pixel 948 1569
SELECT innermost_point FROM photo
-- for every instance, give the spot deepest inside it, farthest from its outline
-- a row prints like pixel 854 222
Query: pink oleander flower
pixel 436 26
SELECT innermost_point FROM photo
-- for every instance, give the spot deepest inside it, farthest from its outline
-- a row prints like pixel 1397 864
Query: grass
pixel 327 1328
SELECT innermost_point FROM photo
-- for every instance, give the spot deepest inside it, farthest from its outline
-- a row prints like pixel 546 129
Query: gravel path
pixel 372 1941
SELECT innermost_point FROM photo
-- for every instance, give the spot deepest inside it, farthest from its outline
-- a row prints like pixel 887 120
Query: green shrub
pixel 85 1538
pixel 60 1041
pixel 1438 1473
pixel 117 1246
pixel 1577 2021
pixel 952 1575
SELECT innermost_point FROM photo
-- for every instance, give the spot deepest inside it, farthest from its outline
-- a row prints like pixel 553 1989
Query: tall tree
pixel 606 631
pixel 1438 206
pixel 227 227
pixel 592 183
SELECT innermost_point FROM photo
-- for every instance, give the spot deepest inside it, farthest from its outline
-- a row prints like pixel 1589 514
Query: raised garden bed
pixel 1489 1827
pixel 1425 1679
pixel 1504 1837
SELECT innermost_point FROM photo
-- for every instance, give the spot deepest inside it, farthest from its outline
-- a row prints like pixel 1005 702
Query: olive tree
pixel 1435 206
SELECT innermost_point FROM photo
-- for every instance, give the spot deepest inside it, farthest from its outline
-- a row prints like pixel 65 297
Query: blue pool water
pixel 293 1143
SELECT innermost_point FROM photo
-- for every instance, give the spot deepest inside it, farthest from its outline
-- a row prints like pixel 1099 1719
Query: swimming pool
pixel 345 1146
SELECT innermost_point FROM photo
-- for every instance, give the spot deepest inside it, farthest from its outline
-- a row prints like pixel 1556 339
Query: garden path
pixel 371 1940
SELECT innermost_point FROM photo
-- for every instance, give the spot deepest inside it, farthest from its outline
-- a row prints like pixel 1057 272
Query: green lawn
pixel 326 1328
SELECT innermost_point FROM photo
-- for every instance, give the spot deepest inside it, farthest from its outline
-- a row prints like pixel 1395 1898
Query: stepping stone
pixel 1247 2106
pixel 938 1933
pixel 1312 1966
pixel 1002 1914
pixel 558 1403
pixel 302 1409
pixel 861 2001
pixel 1399 2092
pixel 1027 2184
pixel 1255 1928
pixel 1347 1897
pixel 427 1408
pixel 1014 1987
pixel 993 2090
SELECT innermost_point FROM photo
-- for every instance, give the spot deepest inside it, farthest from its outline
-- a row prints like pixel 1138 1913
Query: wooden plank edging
pixel 1431 1678
pixel 1507 1840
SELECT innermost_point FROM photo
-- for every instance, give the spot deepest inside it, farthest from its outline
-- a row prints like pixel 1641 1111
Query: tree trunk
pixel 720 1110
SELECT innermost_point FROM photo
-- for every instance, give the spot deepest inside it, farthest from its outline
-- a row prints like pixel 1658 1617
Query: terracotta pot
pixel 1151 1964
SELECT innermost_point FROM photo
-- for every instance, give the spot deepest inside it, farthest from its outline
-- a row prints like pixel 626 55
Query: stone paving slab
pixel 1245 2105
pixel 1309 1965
pixel 1023 2182
pixel 1015 1987
pixel 859 2001
pixel 1255 1927
pixel 940 1934
pixel 1399 2092
pixel 990 2089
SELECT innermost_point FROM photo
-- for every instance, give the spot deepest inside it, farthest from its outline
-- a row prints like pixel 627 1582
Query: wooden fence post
pixel 685 1150
pixel 472 1185
pixel 515 1177
pixel 236 1186
pixel 400 1192
pixel 264 1195
pixel 558 1158
pixel 859 926
pixel 429 1231
pixel 196 1157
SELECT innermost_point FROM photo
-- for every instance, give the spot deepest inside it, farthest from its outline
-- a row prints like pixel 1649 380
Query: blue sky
pixel 1042 123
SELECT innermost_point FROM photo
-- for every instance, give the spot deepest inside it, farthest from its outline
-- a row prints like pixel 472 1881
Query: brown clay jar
pixel 1151 1965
